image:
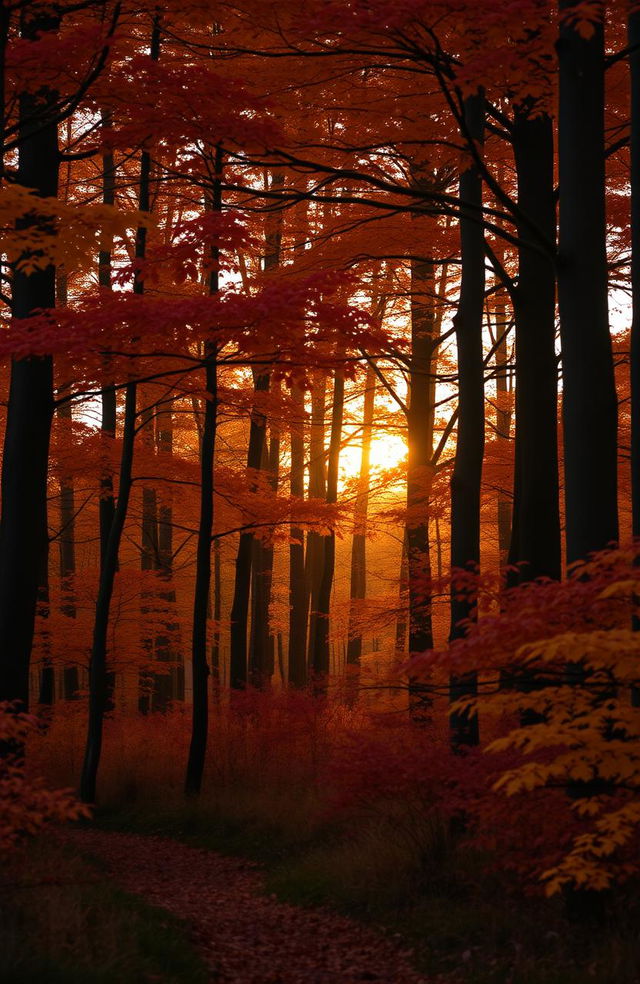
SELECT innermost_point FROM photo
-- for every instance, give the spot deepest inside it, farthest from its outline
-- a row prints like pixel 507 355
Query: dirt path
pixel 245 936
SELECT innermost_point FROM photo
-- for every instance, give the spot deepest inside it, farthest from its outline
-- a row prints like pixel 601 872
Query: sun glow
pixel 387 451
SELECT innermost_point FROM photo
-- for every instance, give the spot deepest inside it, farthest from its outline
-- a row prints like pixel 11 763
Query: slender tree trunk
pixel 634 64
pixel 201 600
pixel 535 539
pixel 314 558
pixel 242 582
pixel 149 550
pixel 403 599
pixel 320 653
pixel 358 587
pixel 23 524
pixel 108 398
pixel 420 424
pixel 589 405
pixel 167 686
pixel 297 670
pixel 467 472
pixel 98 677
pixel 263 649
pixel 197 749
pixel 503 424
pixel 217 614
pixel 67 541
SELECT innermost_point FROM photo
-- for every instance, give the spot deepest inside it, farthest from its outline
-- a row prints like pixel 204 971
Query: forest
pixel 320 491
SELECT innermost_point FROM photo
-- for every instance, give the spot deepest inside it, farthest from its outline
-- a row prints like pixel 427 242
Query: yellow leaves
pixel 38 232
pixel 622 589
pixel 585 866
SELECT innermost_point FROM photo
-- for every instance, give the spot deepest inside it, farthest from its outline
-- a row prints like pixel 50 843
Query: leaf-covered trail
pixel 244 935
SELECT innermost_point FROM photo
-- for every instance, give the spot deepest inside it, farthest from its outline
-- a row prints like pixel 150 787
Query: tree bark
pixel 320 653
pixel 23 524
pixel 98 678
pixel 314 558
pixel 589 405
pixel 201 600
pixel 358 579
pixel 634 372
pixel 242 582
pixel 467 471
pixel 420 425
pixel 535 538
pixel 297 670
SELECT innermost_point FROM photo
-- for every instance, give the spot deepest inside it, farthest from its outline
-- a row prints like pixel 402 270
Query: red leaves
pixel 245 936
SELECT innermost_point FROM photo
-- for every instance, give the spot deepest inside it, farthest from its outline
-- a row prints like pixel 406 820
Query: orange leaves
pixel 39 232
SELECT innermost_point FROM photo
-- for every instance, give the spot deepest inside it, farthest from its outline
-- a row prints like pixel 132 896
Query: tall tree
pixel 467 471
pixel 98 678
pixel 535 537
pixel 201 599
pixel 23 523
pixel 589 403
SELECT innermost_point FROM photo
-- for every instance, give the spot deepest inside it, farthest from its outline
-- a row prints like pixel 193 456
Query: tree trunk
pixel 108 397
pixel 242 583
pixel 467 472
pixel 70 677
pixel 167 686
pixel 314 558
pixel 149 549
pixel 98 678
pixel 201 600
pixel 589 405
pixel 420 424
pixel 535 539
pixel 320 652
pixel 98 663
pixel 634 64
pixel 358 586
pixel 297 670
pixel 503 425
pixel 23 524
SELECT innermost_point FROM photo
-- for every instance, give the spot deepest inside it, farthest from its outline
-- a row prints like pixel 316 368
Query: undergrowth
pixel 353 811
pixel 63 922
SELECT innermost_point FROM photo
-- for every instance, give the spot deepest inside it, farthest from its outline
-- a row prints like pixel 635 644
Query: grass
pixel 388 860
pixel 62 922
pixel 464 924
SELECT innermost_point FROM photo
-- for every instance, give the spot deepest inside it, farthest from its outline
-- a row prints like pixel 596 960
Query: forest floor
pixel 245 935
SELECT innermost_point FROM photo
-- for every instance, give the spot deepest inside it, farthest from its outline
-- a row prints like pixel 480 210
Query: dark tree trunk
pixel 467 472
pixel 242 582
pixel 358 583
pixel 503 425
pixel 297 670
pixel 634 64
pixel 320 663
pixel 314 558
pixel 420 424
pixel 403 601
pixel 98 676
pixel 98 664
pixel 149 551
pixel 589 405
pixel 67 540
pixel 198 746
pixel 201 600
pixel 108 398
pixel 167 686
pixel 535 539
pixel 23 525
pixel 217 614
pixel 262 648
